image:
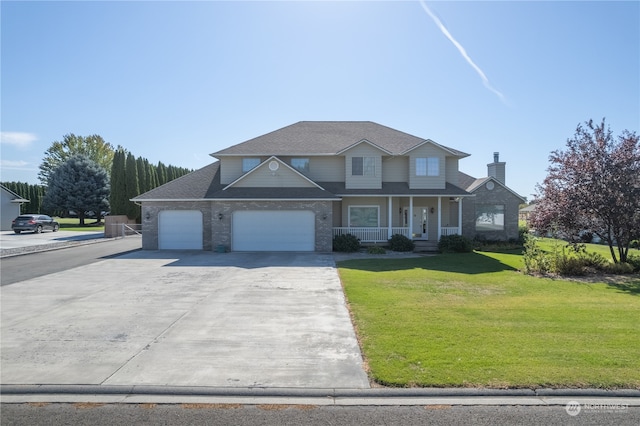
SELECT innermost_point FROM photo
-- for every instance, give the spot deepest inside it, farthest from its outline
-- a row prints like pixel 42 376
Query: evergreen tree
pixel 118 196
pixel 78 184
pixel 143 186
pixel 132 188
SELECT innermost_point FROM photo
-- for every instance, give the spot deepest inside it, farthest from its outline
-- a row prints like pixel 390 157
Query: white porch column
pixel 389 213
pixel 411 217
pixel 439 217
pixel 460 215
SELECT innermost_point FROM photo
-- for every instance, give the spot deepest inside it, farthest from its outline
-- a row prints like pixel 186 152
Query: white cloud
pixel 8 164
pixel 463 52
pixel 18 139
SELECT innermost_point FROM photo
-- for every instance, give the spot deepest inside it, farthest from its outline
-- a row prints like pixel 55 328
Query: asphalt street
pixel 32 265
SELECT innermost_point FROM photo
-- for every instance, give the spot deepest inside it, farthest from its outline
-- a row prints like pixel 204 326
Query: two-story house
pixel 296 188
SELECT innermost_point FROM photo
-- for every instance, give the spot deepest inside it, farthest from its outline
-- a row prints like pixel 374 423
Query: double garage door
pixel 273 230
pixel 252 230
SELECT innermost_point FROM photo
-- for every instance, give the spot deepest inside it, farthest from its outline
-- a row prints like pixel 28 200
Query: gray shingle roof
pixel 193 186
pixel 328 138
pixel 393 188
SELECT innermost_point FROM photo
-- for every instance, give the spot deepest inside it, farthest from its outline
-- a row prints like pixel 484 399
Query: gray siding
pixel 427 182
pixel 363 182
pixel 395 169
pixel 451 171
pixel 263 177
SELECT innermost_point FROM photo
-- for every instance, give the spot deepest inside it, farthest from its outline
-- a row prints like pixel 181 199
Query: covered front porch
pixel 376 219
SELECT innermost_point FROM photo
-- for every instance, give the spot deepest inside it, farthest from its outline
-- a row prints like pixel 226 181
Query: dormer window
pixel 301 165
pixel 363 166
pixel 428 166
pixel 249 164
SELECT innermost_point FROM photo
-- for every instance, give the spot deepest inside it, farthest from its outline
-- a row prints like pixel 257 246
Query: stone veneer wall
pixel 218 231
pixel 499 195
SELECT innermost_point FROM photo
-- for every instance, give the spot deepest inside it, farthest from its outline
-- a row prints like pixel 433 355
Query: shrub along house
pixel 296 188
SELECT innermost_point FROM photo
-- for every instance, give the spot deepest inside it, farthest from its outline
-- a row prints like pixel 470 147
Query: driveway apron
pixel 184 319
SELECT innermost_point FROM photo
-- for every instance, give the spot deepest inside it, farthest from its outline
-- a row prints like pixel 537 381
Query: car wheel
pixel 16 231
pixel 38 229
pixel 55 228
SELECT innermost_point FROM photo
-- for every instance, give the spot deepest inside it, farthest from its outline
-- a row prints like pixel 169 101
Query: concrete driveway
pixel 183 319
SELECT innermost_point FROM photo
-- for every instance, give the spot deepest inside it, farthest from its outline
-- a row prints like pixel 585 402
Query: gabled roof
pixel 311 138
pixel 266 164
pixel 15 198
pixel 204 184
pixel 192 186
pixel 471 184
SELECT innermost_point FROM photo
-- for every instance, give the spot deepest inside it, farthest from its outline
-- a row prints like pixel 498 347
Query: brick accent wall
pixel 499 195
pixel 218 231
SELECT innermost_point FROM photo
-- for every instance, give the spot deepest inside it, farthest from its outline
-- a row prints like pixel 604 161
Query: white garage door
pixel 273 230
pixel 180 230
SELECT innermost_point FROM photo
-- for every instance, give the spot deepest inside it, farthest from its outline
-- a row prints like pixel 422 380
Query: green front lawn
pixel 73 224
pixel 474 320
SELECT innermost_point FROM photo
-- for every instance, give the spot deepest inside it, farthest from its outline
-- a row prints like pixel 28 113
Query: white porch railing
pixel 377 235
pixel 370 234
pixel 449 230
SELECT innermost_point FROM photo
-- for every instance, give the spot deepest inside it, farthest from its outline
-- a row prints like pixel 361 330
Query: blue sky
pixel 176 81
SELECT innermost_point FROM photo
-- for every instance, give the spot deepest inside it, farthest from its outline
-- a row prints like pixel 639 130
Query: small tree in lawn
pixel 593 186
pixel 78 184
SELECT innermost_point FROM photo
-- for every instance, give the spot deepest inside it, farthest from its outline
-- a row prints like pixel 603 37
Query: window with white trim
pixel 363 166
pixel 300 164
pixel 489 217
pixel 428 166
pixel 249 163
pixel 364 216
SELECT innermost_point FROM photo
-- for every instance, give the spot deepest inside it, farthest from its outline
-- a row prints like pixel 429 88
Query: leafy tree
pixel 78 184
pixel 92 146
pixel 593 186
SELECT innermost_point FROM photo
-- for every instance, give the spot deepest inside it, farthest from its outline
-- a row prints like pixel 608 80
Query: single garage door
pixel 180 230
pixel 273 230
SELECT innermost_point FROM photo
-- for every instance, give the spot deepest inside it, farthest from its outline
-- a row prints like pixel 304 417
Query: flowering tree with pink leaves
pixel 593 186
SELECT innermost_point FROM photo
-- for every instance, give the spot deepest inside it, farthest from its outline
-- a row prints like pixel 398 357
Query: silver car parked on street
pixel 34 223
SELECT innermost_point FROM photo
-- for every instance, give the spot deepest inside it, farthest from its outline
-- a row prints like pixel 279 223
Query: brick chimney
pixel 496 169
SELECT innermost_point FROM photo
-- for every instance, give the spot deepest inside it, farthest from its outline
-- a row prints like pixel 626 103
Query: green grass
pixel 550 244
pixel 73 224
pixel 474 320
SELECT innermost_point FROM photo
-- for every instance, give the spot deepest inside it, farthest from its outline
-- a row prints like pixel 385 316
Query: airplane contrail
pixel 462 51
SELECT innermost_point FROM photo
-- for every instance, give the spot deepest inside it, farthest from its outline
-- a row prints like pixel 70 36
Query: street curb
pixel 311 392
pixel 13 252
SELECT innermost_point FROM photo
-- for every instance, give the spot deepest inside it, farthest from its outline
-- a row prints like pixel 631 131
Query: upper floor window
pixel 363 166
pixel 249 163
pixel 429 166
pixel 300 164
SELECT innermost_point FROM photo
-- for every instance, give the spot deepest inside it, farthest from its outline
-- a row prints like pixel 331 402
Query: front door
pixel 420 221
